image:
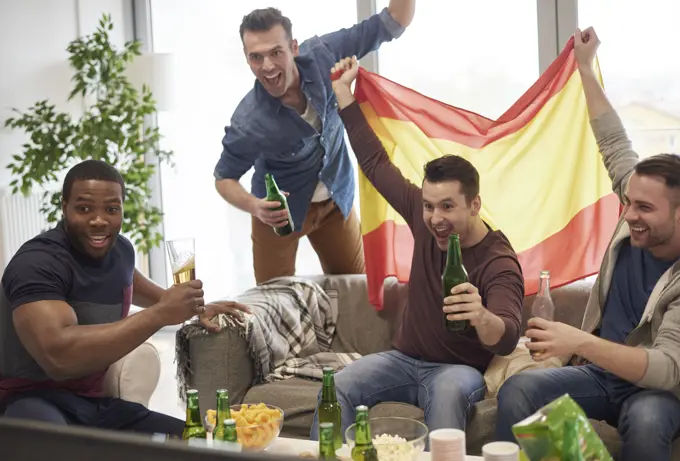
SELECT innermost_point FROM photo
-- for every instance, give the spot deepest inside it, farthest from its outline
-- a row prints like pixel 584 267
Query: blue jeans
pixel 445 392
pixel 64 408
pixel 647 420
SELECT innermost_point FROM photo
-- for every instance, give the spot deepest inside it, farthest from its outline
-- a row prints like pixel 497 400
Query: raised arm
pixel 616 149
pixel 369 34
pixel 401 194
pixel 48 326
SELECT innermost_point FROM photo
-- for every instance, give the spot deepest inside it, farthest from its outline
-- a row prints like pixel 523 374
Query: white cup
pixel 500 451
pixel 447 445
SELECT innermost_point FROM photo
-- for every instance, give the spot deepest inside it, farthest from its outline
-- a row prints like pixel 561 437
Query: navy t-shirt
pixel 49 267
pixel 635 274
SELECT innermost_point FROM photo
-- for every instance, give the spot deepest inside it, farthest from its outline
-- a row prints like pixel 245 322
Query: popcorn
pixel 393 448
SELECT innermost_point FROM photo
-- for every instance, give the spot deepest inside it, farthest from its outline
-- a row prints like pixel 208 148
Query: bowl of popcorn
pixel 257 425
pixel 394 438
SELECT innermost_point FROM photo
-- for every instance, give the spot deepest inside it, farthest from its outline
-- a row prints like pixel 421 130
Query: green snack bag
pixel 560 431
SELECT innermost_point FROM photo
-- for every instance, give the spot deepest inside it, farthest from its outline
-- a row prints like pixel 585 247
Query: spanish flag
pixel 543 182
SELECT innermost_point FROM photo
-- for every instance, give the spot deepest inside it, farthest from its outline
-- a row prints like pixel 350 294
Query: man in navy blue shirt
pixel 64 306
pixel 288 125
pixel 626 356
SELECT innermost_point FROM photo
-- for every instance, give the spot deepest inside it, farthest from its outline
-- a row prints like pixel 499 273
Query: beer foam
pixel 186 264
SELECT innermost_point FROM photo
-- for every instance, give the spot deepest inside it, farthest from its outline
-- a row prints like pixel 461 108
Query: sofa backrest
pixel 361 328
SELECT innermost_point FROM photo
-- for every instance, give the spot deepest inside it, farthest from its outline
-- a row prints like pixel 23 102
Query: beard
pixel 651 237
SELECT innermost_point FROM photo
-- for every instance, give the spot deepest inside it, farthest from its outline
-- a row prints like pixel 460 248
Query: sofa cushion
pixel 296 397
pixel 401 410
pixel 375 330
pixel 570 302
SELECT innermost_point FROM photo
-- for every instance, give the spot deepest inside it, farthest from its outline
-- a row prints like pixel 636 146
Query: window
pixel 640 70
pixel 211 76
pixel 480 56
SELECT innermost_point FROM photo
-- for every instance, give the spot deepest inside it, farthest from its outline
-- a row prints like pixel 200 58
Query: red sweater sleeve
pixel 503 294
pixel 404 196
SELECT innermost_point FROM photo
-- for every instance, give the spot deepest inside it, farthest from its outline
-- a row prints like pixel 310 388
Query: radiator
pixel 20 220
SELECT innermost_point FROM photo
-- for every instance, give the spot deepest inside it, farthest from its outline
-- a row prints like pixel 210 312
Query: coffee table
pixel 294 447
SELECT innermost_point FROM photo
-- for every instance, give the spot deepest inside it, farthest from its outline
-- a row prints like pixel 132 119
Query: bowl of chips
pixel 257 425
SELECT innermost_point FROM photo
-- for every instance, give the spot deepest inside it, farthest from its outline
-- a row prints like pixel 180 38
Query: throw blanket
pixel 289 332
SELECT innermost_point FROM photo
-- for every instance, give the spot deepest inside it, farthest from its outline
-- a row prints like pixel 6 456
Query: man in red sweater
pixel 439 371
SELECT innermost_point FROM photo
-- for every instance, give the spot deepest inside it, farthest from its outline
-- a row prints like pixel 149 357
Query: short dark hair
pixel 454 168
pixel 665 166
pixel 91 169
pixel 264 19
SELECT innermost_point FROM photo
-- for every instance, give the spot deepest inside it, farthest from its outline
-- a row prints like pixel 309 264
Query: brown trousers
pixel 337 242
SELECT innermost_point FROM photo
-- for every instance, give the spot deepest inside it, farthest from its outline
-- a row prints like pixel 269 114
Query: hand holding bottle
pixel 269 213
pixel 465 303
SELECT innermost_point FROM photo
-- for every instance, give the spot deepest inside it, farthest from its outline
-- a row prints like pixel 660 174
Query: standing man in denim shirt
pixel 288 125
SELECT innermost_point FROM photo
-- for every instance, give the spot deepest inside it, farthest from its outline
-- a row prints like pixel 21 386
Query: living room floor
pixel 165 398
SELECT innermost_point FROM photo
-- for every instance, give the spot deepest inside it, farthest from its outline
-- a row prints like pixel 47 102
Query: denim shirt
pixel 275 139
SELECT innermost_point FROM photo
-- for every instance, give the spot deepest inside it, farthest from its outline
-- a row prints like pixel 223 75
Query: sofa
pixel 222 360
pixel 134 377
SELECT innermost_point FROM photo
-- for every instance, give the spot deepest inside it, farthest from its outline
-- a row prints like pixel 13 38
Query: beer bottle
pixel 275 195
pixel 228 438
pixel 223 413
pixel 193 426
pixel 363 449
pixel 454 274
pixel 543 306
pixel 326 443
pixel 329 410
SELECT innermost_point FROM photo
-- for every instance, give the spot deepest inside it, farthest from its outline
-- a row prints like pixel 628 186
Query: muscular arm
pixel 50 332
pixel 145 292
pixel 400 193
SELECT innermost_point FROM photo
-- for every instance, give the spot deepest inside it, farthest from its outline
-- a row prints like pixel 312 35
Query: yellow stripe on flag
pixel 542 178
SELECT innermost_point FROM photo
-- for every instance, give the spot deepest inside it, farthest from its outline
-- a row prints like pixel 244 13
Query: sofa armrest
pixel 134 377
pixel 220 361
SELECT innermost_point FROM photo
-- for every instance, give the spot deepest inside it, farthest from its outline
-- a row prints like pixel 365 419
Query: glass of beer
pixel 182 259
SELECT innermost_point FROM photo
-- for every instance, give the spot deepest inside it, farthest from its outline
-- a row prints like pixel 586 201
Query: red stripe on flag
pixel 571 254
pixel 388 251
pixel 576 251
pixel 442 121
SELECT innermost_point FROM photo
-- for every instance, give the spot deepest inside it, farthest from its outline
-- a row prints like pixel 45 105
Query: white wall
pixel 34 35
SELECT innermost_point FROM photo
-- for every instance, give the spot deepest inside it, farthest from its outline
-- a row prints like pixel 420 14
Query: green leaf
pixel 111 129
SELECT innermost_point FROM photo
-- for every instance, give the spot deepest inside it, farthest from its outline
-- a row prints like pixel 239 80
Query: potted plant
pixel 111 129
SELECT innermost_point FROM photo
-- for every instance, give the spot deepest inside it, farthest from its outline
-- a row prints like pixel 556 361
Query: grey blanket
pixel 289 332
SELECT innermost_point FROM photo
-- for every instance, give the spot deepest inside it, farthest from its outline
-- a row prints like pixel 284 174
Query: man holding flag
pixel 631 328
pixel 439 371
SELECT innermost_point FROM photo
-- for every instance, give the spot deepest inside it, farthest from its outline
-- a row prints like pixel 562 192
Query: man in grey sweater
pixel 630 337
